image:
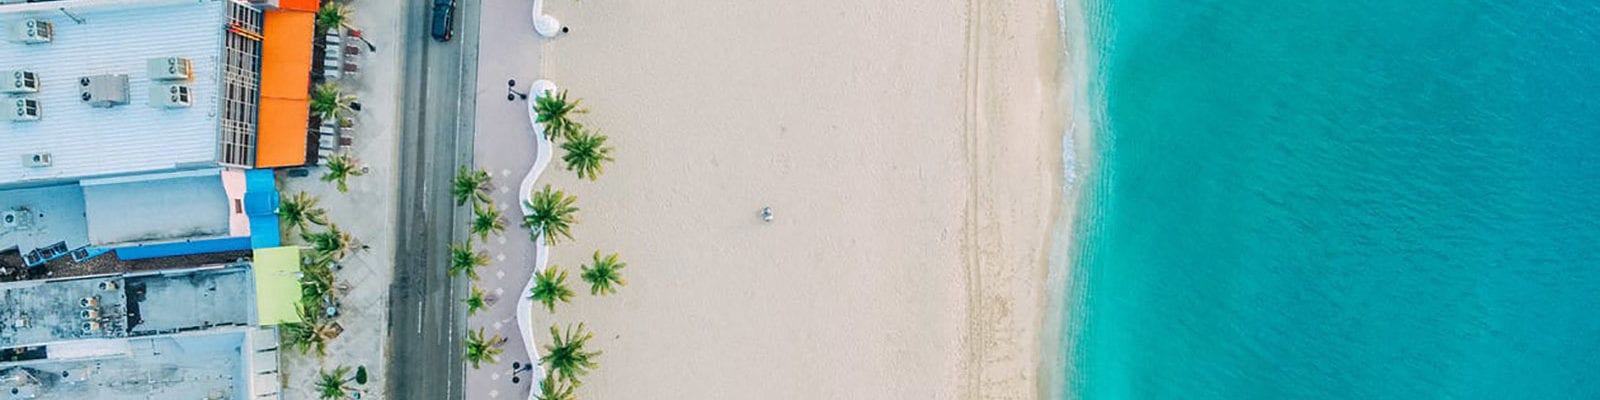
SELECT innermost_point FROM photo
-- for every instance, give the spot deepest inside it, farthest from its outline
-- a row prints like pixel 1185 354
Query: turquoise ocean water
pixel 1339 199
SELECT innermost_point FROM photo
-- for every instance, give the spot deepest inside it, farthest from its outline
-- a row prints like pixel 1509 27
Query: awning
pixel 299 5
pixel 277 284
pixel 285 87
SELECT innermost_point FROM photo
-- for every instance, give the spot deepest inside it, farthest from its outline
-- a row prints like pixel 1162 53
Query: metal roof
pixel 114 37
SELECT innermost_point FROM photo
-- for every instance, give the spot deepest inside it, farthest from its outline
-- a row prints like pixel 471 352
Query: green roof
pixel 277 272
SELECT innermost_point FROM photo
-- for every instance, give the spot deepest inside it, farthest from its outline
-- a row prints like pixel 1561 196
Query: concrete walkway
pixel 508 50
pixel 365 212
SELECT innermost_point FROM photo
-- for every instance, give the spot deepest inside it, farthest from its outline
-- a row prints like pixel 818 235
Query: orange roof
pixel 282 142
pixel 285 87
pixel 286 54
pixel 299 5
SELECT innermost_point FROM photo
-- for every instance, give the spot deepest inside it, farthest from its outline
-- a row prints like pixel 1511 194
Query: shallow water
pixel 1339 199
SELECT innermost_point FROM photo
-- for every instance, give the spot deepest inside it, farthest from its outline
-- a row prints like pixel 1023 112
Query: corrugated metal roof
pixel 90 142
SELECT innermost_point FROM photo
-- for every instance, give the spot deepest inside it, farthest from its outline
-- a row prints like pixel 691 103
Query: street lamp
pixel 511 91
pixel 517 368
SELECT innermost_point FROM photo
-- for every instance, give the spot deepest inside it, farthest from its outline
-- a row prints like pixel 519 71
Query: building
pixel 135 123
pixel 190 333
pixel 128 87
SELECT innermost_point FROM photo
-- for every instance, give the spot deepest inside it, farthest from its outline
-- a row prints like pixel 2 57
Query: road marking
pixel 420 312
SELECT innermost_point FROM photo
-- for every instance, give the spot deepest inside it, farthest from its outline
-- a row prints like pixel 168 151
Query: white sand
pixel 910 151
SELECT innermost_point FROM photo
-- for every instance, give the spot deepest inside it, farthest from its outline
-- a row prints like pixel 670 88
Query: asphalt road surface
pixel 427 322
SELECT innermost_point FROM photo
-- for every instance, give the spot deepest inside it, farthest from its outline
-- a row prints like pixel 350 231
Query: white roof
pixel 116 37
pixel 157 207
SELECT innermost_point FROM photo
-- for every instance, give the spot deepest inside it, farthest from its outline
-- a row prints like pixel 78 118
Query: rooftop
pixel 113 37
pixel 112 212
pixel 39 312
pixel 190 204
pixel 196 366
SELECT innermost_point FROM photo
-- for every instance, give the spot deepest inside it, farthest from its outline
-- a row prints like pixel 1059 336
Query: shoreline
pixel 1077 156
pixel 1023 193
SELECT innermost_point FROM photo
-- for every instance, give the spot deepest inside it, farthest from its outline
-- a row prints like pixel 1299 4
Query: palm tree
pixel 340 168
pixel 316 283
pixel 475 301
pixel 464 259
pixel 555 112
pixel 552 389
pixel 329 102
pixel 552 215
pixel 313 332
pixel 480 350
pixel 334 15
pixel 486 220
pixel 586 153
pixel 550 286
pixel 468 184
pixel 565 354
pixel 604 273
pixel 334 384
pixel 300 211
pixel 330 245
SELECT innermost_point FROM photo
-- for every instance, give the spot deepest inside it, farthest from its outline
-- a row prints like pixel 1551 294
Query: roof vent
pixel 33 31
pixel 171 69
pixel 19 82
pixel 37 160
pixel 169 96
pixel 24 109
pixel 103 91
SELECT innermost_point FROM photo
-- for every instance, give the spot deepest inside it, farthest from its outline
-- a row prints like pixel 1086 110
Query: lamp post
pixel 518 368
pixel 511 91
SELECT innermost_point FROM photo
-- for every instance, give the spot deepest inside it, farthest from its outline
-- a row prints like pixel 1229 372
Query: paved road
pixel 426 322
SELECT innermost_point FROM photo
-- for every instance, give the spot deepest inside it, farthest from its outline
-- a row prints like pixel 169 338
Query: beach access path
pixel 504 147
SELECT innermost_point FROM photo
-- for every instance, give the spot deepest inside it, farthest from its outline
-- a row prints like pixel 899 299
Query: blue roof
pixel 183 248
pixel 261 204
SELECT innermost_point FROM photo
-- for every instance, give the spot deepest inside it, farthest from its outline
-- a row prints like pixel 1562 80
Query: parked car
pixel 444 19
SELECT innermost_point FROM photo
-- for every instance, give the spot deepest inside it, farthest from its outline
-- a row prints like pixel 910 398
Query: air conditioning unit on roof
pixel 171 69
pixel 103 91
pixel 23 109
pixel 32 31
pixel 170 96
pixel 19 82
pixel 37 160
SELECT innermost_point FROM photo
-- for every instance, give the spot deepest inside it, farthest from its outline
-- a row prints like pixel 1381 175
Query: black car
pixel 444 19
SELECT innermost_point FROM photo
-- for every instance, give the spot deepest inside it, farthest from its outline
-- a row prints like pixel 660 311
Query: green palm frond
pixel 486 220
pixel 565 355
pixel 553 215
pixel 605 275
pixel 464 259
pixel 334 384
pixel 333 15
pixel 298 212
pixel 586 154
pixel 553 389
pixel 476 301
pixel 340 168
pixel 470 184
pixel 332 244
pixel 481 349
pixel 555 113
pixel 329 102
pixel 550 286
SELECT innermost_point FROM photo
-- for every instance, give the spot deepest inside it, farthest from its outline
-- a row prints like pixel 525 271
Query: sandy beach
pixel 911 153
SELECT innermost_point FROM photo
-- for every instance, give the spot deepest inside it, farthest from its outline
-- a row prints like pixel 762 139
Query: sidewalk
pixel 367 212
pixel 505 149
